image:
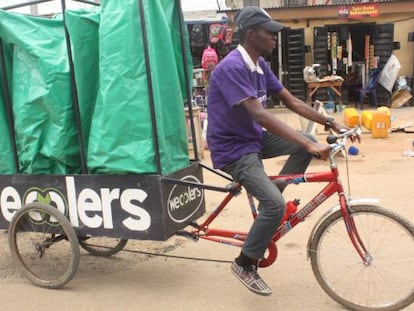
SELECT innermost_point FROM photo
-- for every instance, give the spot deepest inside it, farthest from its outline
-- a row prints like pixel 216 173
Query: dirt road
pixel 136 281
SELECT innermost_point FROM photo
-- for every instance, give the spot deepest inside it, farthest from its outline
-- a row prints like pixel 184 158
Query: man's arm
pixel 296 105
pixel 277 127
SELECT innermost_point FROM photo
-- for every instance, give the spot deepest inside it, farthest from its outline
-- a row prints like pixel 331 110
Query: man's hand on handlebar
pixel 340 128
pixel 320 151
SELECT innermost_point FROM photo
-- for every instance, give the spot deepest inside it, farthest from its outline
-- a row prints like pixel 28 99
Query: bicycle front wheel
pixel 44 245
pixel 386 283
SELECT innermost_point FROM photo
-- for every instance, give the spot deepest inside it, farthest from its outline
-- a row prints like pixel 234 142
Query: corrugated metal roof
pixel 298 4
pixel 304 4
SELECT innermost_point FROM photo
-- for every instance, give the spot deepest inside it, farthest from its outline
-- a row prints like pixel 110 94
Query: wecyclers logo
pixel 184 201
pixel 48 196
pixel 11 201
pixel 88 207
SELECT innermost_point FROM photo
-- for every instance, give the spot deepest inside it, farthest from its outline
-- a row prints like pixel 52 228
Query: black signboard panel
pixel 124 206
pixel 183 204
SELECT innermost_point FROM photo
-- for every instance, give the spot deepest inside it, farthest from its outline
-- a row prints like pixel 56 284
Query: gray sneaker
pixel 251 279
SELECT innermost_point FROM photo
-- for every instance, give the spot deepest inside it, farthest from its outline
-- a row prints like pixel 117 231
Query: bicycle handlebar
pixel 336 145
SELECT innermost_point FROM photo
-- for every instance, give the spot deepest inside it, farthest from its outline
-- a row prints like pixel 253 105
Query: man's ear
pixel 250 33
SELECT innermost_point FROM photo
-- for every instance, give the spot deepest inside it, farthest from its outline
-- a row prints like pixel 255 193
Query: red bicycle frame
pixel 237 238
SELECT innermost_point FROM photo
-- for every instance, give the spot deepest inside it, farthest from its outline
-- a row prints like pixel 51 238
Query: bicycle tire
pixel 339 270
pixel 44 245
pixel 102 246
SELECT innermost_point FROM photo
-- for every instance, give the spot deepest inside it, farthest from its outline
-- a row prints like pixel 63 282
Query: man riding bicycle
pixel 241 132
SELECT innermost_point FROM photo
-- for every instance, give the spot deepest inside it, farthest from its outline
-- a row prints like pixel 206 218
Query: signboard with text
pixel 358 11
pixel 124 206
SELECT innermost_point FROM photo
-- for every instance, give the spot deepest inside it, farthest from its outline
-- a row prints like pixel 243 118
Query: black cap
pixel 252 16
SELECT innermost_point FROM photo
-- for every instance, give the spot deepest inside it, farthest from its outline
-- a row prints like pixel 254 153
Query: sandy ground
pixel 202 280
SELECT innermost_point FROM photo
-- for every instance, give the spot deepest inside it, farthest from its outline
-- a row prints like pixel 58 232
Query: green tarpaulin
pixel 40 94
pixel 83 28
pixel 114 95
pixel 6 155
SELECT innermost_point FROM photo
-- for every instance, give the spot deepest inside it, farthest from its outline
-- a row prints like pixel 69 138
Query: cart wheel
pixel 102 246
pixel 44 245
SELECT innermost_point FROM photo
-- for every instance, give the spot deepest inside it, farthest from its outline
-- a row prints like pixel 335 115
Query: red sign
pixel 358 11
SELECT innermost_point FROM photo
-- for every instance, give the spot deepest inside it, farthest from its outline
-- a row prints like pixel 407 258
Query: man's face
pixel 264 40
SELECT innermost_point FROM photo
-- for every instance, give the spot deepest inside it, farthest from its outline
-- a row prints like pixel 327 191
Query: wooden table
pixel 333 84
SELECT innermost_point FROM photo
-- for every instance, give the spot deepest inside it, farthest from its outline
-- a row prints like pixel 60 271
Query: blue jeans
pixel 249 171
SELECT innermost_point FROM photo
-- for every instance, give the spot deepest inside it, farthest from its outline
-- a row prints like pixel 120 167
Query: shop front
pixel 350 41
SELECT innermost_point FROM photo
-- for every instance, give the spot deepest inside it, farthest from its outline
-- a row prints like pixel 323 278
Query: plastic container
pixel 385 110
pixel 380 124
pixel 366 119
pixel 291 208
pixel 351 117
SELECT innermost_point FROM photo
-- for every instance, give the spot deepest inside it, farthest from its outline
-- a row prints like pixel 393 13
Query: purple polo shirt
pixel 231 131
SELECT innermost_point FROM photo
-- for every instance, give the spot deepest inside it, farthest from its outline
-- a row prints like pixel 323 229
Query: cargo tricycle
pixel 353 248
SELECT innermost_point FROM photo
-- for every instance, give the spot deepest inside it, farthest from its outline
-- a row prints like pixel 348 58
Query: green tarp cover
pixel 6 155
pixel 83 28
pixel 113 92
pixel 40 94
pixel 121 130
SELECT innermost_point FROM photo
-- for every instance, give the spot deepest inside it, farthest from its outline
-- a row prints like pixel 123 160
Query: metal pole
pixel 8 106
pixel 150 89
pixel 89 2
pixel 75 99
pixel 187 80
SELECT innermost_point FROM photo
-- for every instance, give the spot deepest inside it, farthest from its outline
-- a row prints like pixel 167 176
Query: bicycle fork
pixel 353 234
